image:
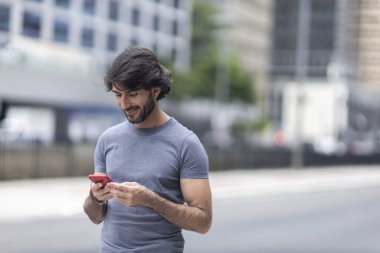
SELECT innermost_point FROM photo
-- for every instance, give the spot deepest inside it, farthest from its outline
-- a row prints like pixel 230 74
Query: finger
pixel 120 196
pixel 130 184
pixel 121 187
pixel 96 186
pixel 110 186
pixel 102 191
pixel 107 196
pixel 104 197
pixel 117 192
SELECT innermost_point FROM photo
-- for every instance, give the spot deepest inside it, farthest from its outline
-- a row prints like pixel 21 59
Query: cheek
pixel 122 103
pixel 140 102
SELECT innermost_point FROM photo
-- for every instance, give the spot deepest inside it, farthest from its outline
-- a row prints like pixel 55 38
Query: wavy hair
pixel 138 68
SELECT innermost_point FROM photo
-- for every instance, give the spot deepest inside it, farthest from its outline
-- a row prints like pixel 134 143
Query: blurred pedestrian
pixel 158 167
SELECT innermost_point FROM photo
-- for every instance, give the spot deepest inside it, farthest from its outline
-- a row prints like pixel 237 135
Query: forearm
pixel 182 215
pixel 94 210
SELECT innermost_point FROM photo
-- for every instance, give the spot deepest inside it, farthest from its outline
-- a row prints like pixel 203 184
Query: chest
pixel 154 163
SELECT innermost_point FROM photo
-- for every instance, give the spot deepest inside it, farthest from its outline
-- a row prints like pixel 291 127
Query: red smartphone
pixel 104 179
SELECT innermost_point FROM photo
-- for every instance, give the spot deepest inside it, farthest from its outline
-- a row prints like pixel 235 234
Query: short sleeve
pixel 194 160
pixel 99 155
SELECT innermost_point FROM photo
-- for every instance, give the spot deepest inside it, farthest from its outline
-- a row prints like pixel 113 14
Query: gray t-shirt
pixel 156 158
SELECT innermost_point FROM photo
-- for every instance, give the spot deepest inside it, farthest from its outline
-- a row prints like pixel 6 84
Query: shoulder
pixel 112 131
pixel 184 135
pixel 180 130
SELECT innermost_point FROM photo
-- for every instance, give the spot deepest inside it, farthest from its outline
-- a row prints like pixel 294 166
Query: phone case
pixel 100 179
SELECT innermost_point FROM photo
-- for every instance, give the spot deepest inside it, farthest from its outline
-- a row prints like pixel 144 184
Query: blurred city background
pixel 273 84
pixel 263 83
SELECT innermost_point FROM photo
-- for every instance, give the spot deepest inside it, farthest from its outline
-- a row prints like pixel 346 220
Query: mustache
pixel 132 108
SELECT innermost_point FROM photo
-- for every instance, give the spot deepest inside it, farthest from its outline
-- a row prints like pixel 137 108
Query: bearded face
pixel 139 113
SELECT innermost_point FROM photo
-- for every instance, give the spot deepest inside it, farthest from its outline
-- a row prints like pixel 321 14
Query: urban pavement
pixel 60 197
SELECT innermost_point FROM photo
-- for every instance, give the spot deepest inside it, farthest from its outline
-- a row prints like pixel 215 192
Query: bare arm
pixel 95 205
pixel 95 210
pixel 195 215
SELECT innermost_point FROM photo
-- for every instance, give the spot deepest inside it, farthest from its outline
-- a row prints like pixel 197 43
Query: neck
pixel 156 118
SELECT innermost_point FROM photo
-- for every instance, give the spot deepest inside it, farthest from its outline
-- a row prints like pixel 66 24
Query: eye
pixel 133 94
pixel 117 94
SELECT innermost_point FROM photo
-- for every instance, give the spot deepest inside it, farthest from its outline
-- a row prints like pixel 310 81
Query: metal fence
pixel 34 160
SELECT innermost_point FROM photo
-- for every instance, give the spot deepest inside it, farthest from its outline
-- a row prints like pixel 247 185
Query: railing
pixel 36 160
pixel 18 161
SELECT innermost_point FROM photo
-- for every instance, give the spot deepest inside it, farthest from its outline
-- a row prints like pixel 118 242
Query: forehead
pixel 119 88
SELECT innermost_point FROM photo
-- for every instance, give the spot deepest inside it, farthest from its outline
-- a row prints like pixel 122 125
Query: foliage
pixel 204 31
pixel 200 80
pixel 258 125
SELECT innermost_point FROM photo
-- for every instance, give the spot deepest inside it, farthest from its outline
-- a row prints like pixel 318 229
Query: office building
pixel 101 27
pixel 53 54
pixel 338 47
pixel 247 34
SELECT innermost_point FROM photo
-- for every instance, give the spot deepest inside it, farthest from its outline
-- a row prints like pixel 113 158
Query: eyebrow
pixel 123 91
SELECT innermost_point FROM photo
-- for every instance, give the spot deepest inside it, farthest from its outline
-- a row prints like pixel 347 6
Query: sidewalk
pixel 43 198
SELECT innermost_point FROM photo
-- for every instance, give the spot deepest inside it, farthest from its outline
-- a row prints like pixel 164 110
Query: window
pixel 62 3
pixel 111 42
pixel 89 7
pixel 174 54
pixel 175 28
pixel 176 4
pixel 155 48
pixel 87 37
pixel 31 26
pixel 114 10
pixel 156 23
pixel 61 31
pixel 134 42
pixel 135 17
pixel 4 18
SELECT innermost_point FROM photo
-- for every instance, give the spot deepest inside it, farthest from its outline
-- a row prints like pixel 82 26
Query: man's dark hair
pixel 138 68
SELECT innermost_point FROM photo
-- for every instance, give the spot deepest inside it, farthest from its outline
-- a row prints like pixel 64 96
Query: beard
pixel 142 112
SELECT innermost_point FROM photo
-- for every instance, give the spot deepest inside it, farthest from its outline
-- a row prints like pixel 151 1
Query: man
pixel 158 167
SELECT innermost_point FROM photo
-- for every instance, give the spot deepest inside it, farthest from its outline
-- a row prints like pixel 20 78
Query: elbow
pixel 204 229
pixel 206 226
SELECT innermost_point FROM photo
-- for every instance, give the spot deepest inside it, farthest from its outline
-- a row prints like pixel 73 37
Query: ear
pixel 156 92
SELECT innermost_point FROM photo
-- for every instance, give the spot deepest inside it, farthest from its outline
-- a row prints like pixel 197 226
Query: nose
pixel 123 103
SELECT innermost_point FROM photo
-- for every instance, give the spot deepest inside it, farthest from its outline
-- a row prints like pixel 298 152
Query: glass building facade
pixel 101 27
pixel 321 49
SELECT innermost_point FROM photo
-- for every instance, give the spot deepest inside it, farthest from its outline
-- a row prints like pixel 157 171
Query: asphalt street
pixel 283 210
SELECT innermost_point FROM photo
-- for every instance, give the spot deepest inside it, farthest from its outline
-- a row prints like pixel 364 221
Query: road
pixel 337 219
pixel 343 221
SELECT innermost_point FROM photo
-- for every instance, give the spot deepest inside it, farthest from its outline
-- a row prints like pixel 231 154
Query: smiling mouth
pixel 132 111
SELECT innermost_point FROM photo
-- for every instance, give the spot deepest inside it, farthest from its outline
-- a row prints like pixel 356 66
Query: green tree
pixel 204 30
pixel 201 79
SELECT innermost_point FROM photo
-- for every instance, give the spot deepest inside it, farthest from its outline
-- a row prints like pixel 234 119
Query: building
pixel 328 42
pixel 101 28
pixel 248 35
pixel 326 37
pixel 53 54
pixel 368 17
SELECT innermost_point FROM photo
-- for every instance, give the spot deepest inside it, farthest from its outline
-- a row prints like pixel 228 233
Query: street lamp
pixel 220 121
pixel 301 73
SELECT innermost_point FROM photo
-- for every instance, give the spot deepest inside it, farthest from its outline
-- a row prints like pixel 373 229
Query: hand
pixel 130 193
pixel 101 194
